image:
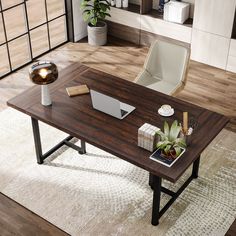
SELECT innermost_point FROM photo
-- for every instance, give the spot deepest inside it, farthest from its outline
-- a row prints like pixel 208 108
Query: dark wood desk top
pixel 76 117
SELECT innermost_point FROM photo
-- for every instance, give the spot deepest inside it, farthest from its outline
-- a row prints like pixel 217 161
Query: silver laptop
pixel 110 105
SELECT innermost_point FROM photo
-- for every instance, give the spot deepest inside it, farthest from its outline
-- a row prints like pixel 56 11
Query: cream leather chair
pixel 165 68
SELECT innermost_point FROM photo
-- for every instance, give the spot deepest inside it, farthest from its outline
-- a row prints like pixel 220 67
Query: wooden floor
pixel 232 230
pixel 206 86
pixel 17 220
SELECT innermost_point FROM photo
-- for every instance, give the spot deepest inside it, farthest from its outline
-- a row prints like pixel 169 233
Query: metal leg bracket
pixel 38 146
pixel 155 184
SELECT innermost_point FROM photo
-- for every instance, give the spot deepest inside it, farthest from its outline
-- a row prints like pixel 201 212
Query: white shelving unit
pixel 212 29
pixel 231 65
pixel 165 28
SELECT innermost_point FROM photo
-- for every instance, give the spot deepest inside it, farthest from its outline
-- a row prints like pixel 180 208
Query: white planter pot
pixel 97 36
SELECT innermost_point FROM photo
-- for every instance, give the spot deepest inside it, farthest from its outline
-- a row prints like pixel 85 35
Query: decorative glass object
pixel 44 73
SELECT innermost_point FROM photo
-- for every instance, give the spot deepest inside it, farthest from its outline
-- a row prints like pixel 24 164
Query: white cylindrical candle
pixel 125 3
pixel 118 3
pixel 113 3
pixel 45 96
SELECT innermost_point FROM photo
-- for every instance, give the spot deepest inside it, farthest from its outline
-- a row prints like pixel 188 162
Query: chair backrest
pixel 167 61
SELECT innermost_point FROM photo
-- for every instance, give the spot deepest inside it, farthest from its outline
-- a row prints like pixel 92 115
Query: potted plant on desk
pixel 95 12
pixel 170 145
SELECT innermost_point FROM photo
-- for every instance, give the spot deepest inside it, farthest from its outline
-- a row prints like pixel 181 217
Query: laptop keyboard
pixel 123 112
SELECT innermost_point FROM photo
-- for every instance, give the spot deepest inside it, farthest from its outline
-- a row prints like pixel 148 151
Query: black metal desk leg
pixel 83 147
pixel 37 140
pixel 150 179
pixel 156 185
pixel 196 168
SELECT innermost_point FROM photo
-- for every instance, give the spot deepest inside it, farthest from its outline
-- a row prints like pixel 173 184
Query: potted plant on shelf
pixel 170 145
pixel 95 12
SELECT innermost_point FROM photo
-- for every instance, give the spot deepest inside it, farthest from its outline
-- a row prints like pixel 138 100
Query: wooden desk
pixel 76 117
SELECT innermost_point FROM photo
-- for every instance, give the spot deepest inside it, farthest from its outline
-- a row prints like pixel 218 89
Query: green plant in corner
pixel 170 144
pixel 95 11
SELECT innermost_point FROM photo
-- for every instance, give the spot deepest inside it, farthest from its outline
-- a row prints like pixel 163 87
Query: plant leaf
pixel 162 144
pixel 180 142
pixel 86 16
pixel 174 131
pixel 166 129
pixel 95 10
pixel 161 134
pixel 177 151
pixel 167 148
pixel 93 21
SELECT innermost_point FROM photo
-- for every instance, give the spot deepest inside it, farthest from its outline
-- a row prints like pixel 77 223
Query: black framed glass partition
pixel 28 29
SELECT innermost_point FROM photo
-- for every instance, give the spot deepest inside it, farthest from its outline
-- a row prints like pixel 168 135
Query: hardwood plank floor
pixel 206 86
pixel 17 220
pixel 232 230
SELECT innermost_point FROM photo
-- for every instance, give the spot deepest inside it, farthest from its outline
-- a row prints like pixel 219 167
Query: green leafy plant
pixel 170 144
pixel 95 11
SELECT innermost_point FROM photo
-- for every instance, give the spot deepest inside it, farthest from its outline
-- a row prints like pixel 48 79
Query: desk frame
pixel 154 181
pixel 155 184
pixel 38 146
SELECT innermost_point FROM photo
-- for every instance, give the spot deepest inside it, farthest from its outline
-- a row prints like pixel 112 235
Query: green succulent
pixel 169 139
pixel 95 10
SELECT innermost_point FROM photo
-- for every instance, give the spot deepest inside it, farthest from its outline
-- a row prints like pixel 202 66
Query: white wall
pixel 80 27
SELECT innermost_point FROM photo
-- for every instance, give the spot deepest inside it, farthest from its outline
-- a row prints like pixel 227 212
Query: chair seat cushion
pixel 146 79
pixel 163 87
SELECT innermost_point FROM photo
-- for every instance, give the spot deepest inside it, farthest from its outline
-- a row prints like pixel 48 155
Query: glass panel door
pixel 39 40
pixel 19 51
pixel 55 8
pixel 28 29
pixel 4 65
pixel 36 10
pixel 15 22
pixel 57 31
pixel 10 3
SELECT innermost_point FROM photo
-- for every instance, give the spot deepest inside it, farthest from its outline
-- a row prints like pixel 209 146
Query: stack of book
pixel 147 137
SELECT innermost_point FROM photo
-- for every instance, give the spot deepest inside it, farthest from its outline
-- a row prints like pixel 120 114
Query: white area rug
pixel 99 194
